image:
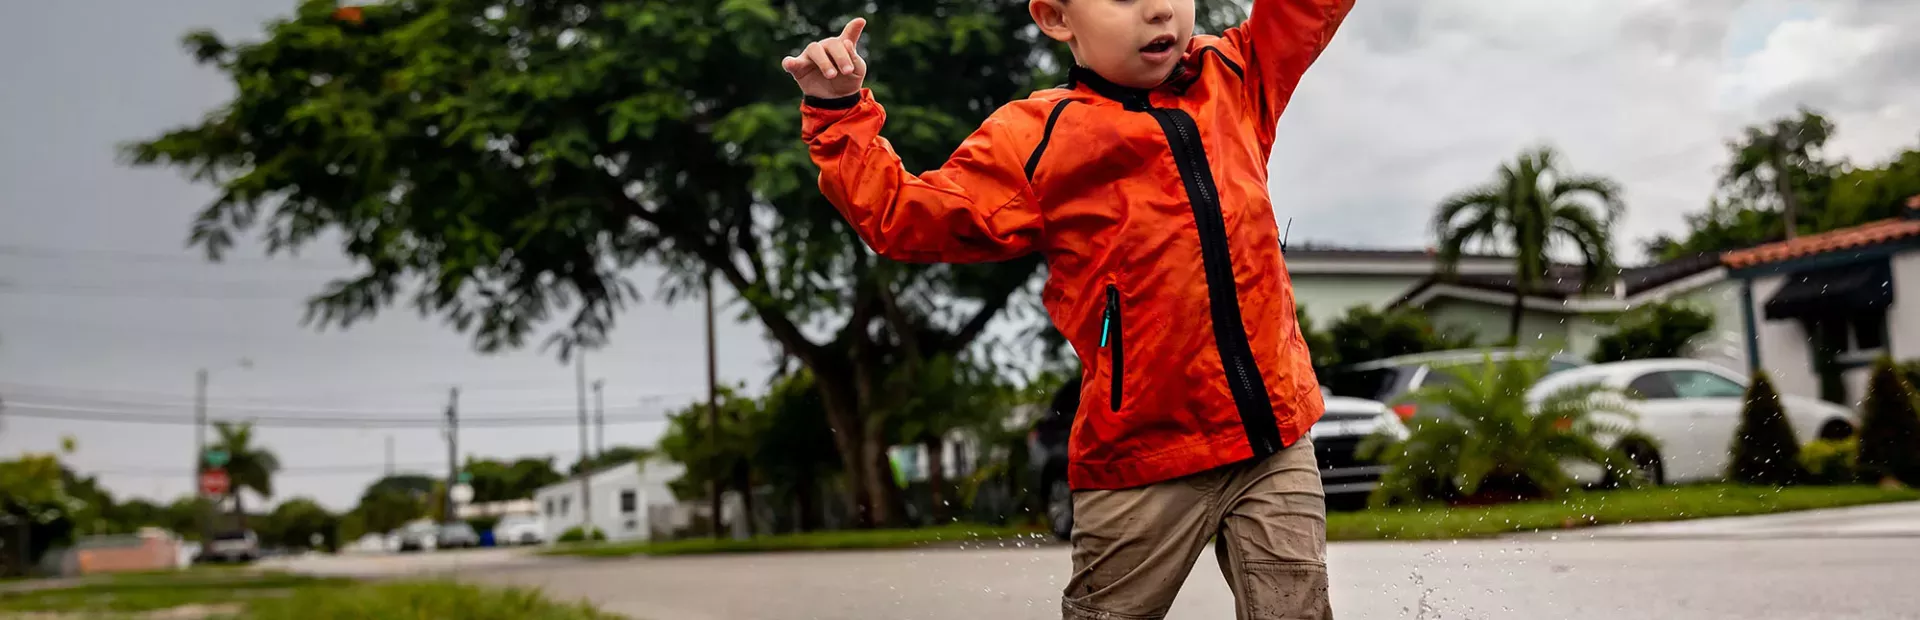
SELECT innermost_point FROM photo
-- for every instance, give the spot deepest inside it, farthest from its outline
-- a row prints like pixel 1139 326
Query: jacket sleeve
pixel 978 207
pixel 1279 40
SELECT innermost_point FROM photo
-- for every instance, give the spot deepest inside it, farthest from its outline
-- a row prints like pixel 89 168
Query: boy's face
pixel 1129 42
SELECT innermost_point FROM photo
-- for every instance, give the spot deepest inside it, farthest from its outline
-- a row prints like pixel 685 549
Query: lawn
pixel 815 541
pixel 1434 522
pixel 267 596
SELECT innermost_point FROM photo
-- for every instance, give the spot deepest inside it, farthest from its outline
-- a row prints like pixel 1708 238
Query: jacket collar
pixel 1133 98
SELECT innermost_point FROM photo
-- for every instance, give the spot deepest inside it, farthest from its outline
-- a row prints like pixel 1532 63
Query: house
pixel 1329 280
pixel 625 498
pixel 1817 310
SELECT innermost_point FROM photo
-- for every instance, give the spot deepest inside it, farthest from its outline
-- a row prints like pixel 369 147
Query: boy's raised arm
pixel 978 207
pixel 1279 40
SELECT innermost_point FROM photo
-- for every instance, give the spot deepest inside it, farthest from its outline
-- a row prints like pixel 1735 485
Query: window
pixel 1653 386
pixel 566 503
pixel 629 502
pixel 1701 384
pixel 549 506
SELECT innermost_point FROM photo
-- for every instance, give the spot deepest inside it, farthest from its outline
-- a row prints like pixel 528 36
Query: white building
pixel 622 497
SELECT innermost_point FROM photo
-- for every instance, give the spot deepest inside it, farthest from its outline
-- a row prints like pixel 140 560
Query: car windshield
pixel 230 536
pixel 1371 384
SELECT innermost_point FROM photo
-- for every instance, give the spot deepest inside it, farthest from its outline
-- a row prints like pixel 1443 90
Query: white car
pixel 1686 414
pixel 519 530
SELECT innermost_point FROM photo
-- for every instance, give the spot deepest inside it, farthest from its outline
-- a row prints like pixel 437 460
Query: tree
pixel 1531 209
pixel 1890 428
pixel 795 452
pixel 500 164
pixel 495 481
pixel 1366 334
pixel 616 455
pixel 1764 449
pixel 1498 444
pixel 295 522
pixel 249 467
pixel 1653 331
pixel 713 462
pixel 1781 163
pixel 935 399
pixel 1862 195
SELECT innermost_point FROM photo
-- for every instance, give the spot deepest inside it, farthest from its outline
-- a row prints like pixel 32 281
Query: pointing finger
pixel 853 30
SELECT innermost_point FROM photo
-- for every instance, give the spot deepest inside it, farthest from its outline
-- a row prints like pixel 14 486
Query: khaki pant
pixel 1133 548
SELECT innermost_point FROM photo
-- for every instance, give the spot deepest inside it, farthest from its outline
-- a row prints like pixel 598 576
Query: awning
pixel 1838 290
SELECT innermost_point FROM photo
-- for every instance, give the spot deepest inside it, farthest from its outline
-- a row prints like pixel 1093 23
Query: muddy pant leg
pixel 1133 548
pixel 1273 538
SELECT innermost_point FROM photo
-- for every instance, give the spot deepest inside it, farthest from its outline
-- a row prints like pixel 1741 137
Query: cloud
pixel 1417 100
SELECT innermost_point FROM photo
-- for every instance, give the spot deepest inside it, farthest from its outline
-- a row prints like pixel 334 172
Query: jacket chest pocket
pixel 1113 343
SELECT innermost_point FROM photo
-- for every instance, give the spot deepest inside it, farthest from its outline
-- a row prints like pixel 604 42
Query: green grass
pixel 1436 522
pixel 814 541
pixel 269 596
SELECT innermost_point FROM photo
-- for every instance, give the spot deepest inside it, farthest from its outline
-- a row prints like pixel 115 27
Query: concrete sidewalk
pixel 1900 520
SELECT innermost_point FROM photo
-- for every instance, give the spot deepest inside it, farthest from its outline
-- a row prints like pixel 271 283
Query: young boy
pixel 1144 183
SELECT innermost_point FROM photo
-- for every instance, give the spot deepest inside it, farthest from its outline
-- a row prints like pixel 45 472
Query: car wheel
pixel 1645 459
pixel 1060 509
pixel 1835 430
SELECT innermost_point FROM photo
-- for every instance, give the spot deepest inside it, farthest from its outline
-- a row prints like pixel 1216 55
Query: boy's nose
pixel 1158 10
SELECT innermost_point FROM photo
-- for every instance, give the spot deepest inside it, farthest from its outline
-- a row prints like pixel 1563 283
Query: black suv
pixel 1336 437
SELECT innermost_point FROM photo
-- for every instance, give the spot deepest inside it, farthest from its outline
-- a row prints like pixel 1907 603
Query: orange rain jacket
pixel 1163 251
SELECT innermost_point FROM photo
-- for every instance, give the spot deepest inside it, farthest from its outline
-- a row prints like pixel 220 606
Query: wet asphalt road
pixel 1857 564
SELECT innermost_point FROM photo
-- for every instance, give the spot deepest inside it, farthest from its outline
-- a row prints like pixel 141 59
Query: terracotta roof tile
pixel 1830 241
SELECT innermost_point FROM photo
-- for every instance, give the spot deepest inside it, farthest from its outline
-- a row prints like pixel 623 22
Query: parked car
pixel 232 546
pixel 1685 415
pixel 1336 438
pixel 519 530
pixel 417 536
pixel 457 535
pixel 1386 380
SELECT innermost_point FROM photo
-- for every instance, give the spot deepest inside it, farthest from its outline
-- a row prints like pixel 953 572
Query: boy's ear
pixel 1051 16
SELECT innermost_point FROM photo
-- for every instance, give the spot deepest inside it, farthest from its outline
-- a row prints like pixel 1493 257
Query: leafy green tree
pixel 616 455
pixel 713 461
pixel 249 466
pixel 1653 331
pixel 795 452
pixel 495 481
pixel 938 397
pixel 1765 452
pixel 1863 195
pixel 294 523
pixel 504 163
pixel 1780 163
pixel 1498 444
pixel 1530 209
pixel 1365 334
pixel 1890 427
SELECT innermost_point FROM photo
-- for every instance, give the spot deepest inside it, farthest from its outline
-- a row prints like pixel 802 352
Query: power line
pixel 315 470
pixel 143 406
pixel 23 251
pixel 55 412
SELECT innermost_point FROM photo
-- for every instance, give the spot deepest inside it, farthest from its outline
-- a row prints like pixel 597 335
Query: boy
pixel 1164 271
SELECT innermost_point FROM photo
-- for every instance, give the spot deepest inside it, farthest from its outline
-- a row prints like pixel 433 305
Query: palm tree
pixel 1787 152
pixel 1498 440
pixel 1533 208
pixel 248 466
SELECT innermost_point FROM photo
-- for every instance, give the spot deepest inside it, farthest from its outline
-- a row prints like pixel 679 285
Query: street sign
pixel 217 458
pixel 466 477
pixel 462 493
pixel 214 482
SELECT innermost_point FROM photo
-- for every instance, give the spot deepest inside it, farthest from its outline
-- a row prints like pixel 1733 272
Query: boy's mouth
pixel 1159 44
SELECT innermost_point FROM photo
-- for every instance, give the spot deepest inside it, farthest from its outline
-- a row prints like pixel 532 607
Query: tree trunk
pixel 835 384
pixel 882 494
pixel 1789 204
pixel 743 480
pixel 1519 308
pixel 239 511
pixel 803 498
pixel 937 479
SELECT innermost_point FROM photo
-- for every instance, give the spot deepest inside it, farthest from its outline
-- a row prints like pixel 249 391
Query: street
pixel 1807 565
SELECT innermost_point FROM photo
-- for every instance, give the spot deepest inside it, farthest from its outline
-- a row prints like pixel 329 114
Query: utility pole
pixel 389 456
pixel 599 418
pixel 713 417
pixel 453 451
pixel 586 469
pixel 200 449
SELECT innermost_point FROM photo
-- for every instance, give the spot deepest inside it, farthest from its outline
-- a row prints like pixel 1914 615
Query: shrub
pixel 1890 430
pixel 578 534
pixel 1831 461
pixel 1655 331
pixel 1497 444
pixel 1764 449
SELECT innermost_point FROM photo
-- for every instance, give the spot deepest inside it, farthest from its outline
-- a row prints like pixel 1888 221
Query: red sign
pixel 214 482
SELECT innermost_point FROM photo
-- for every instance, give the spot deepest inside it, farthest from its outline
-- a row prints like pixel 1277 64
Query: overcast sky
pixel 100 303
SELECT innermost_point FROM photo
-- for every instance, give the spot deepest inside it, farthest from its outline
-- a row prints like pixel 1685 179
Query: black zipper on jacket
pixel 1110 337
pixel 1229 333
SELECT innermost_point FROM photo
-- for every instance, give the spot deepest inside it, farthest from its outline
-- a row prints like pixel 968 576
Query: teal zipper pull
pixel 1106 326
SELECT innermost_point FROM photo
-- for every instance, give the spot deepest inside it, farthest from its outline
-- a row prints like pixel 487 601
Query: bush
pixel 1831 461
pixel 1765 451
pixel 1890 430
pixel 1655 331
pixel 1497 446
pixel 577 534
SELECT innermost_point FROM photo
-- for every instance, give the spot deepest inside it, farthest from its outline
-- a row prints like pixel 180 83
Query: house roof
pixel 1564 281
pixel 1856 237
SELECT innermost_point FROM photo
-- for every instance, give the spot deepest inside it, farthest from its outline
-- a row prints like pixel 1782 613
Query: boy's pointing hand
pixel 830 68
